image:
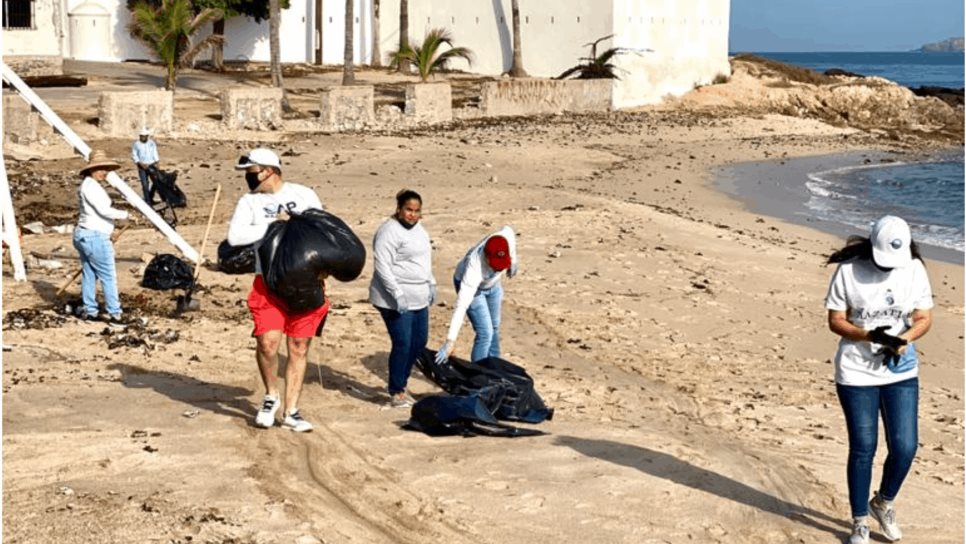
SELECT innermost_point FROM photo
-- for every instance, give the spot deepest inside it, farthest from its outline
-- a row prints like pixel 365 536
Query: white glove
pixel 443 353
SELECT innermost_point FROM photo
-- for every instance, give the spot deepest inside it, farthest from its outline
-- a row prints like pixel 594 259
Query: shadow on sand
pixel 221 399
pixel 668 467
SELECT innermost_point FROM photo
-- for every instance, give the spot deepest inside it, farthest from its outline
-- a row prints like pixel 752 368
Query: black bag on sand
pixel 165 185
pixel 293 253
pixel 166 271
pixel 519 400
pixel 469 415
pixel 236 259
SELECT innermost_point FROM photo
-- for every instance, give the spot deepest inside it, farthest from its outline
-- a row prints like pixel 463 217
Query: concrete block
pixel 122 114
pixel 35 65
pixel 19 121
pixel 347 108
pixel 252 109
pixel 429 103
pixel 545 96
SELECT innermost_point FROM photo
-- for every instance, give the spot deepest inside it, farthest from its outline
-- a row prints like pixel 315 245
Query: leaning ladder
pixel 10 234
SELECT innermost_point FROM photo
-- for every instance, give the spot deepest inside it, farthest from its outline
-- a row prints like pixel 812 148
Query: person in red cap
pixel 479 293
pixel 879 302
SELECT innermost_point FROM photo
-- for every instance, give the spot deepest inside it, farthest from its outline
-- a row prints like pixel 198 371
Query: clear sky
pixel 842 25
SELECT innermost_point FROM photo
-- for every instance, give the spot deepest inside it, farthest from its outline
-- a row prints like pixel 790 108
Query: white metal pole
pixel 115 180
pixel 10 234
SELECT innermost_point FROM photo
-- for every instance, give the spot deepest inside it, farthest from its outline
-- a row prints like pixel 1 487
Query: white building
pixel 672 45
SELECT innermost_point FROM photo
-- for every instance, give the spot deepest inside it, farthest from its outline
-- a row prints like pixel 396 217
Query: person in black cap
pixel 879 302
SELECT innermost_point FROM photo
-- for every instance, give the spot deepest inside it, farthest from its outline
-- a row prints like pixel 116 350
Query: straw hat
pixel 98 158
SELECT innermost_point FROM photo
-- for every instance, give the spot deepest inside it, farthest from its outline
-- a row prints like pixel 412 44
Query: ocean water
pixel 928 195
pixel 906 68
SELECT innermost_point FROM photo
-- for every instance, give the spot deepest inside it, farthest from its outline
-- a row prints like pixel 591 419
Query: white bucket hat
pixel 259 157
pixel 891 241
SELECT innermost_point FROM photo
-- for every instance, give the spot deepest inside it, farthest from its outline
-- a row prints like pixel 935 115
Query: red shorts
pixel 270 314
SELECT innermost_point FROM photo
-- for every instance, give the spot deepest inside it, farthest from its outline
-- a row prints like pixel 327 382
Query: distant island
pixel 952 45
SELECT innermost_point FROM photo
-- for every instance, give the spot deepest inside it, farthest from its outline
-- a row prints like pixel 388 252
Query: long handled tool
pixel 73 278
pixel 185 303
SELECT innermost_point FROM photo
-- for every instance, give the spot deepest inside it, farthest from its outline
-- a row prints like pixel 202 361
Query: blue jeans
pixel 899 405
pixel 484 314
pixel 409 332
pixel 97 263
pixel 145 183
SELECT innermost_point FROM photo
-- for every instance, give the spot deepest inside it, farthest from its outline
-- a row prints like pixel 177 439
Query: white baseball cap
pixel 259 157
pixel 891 241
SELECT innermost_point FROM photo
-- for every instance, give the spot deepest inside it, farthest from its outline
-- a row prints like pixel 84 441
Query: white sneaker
pixel 266 416
pixel 860 532
pixel 293 421
pixel 885 514
pixel 401 400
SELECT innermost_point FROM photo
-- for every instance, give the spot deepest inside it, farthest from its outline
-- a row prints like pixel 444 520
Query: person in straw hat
pixel 93 237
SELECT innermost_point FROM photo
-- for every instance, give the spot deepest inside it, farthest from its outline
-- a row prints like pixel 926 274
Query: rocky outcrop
pixel 952 45
pixel 953 97
pixel 868 103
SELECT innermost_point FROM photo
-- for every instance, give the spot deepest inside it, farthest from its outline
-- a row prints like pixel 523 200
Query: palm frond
pixel 189 54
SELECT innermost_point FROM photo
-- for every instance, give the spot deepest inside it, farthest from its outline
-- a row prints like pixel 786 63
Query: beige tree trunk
pixel 218 51
pixel 404 65
pixel 275 49
pixel 516 69
pixel 376 51
pixel 348 73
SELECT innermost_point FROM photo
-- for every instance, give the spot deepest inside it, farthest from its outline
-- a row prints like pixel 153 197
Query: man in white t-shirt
pixel 272 199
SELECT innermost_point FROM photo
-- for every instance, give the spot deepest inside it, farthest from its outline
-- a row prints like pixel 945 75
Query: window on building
pixel 18 14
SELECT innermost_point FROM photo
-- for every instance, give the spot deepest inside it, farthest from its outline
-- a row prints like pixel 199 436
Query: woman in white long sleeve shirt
pixel 92 237
pixel 402 289
pixel 479 293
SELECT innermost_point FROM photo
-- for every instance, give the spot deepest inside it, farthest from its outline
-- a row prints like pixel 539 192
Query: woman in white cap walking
pixel 92 237
pixel 879 302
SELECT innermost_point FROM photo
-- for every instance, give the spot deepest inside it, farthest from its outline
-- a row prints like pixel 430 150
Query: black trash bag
pixel 293 253
pixel 520 400
pixel 466 415
pixel 164 185
pixel 236 259
pixel 166 271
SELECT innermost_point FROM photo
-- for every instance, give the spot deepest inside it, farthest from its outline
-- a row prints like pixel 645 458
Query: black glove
pixel 879 336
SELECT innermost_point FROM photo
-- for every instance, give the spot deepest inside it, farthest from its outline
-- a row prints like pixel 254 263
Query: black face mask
pixel 252 179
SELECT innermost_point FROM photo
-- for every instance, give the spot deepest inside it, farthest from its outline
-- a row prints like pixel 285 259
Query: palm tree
pixel 348 76
pixel 516 69
pixel 428 58
pixel 595 66
pixel 167 30
pixel 403 64
pixel 376 51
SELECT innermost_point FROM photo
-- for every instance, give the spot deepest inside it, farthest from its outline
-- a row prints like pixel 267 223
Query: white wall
pixel 42 40
pixel 552 31
pixel 688 42
pixel 333 30
pixel 246 40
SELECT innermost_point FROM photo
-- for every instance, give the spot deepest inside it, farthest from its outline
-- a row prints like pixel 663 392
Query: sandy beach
pixel 680 337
